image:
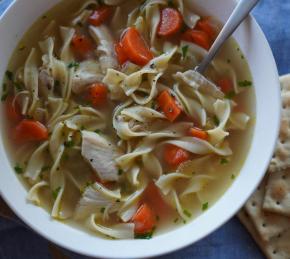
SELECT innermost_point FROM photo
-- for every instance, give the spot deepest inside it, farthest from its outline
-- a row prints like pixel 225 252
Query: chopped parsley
pixel 233 177
pixel 223 161
pixel 144 236
pixel 18 169
pixel 204 206
pixel 98 131
pixel 9 75
pixel 230 95
pixel 118 200
pixel 69 143
pixel 216 120
pixel 102 210
pixel 175 220
pixel 73 64
pixel 187 213
pixel 245 83
pixel 184 50
pixel 55 193
pixel 120 172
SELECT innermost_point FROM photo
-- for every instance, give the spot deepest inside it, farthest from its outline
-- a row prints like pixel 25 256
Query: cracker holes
pixel 277 202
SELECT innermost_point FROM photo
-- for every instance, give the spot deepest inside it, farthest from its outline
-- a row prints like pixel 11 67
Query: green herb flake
pixel 18 169
pixel 102 210
pixel 233 177
pixel 224 161
pixel 184 50
pixel 73 64
pixel 230 95
pixel 118 200
pixel 9 75
pixel 56 192
pixel 204 206
pixel 120 172
pixel 187 213
pixel 216 120
pixel 69 144
pixel 245 83
pixel 148 235
pixel 175 220
pixel 242 57
pixel 98 131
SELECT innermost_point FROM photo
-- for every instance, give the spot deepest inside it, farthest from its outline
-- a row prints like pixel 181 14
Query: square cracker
pixel 268 224
pixel 281 158
pixel 276 248
pixel 277 196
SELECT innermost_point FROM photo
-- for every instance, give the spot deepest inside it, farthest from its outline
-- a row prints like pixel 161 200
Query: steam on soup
pixel 107 127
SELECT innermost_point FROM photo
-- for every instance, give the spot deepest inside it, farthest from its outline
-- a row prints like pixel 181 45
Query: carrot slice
pixel 174 155
pixel 170 22
pixel 198 133
pixel 153 197
pixel 144 219
pixel 97 94
pixel 168 105
pixel 206 26
pixel 82 46
pixel 30 130
pixel 225 84
pixel 135 47
pixel 198 37
pixel 120 53
pixel 12 110
pixel 100 15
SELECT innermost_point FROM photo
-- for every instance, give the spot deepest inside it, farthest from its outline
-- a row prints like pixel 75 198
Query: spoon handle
pixel 241 11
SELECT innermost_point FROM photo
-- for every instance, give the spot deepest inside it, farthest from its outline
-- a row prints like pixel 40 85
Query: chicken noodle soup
pixel 107 124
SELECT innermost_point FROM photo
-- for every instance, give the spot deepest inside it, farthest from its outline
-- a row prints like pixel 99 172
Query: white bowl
pixel 20 16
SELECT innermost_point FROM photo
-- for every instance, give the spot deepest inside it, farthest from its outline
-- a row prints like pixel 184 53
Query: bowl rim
pixel 143 246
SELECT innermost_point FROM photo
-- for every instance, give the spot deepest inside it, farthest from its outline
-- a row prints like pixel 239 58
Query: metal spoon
pixel 239 14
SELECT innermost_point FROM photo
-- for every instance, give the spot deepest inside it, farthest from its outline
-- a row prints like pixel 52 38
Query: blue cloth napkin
pixel 231 241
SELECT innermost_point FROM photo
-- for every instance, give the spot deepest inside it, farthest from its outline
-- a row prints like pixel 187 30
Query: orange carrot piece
pixel 135 47
pixel 97 94
pixel 120 53
pixel 30 130
pixel 144 219
pixel 225 84
pixel 100 15
pixel 206 26
pixel 170 22
pixel 12 110
pixel 153 197
pixel 168 105
pixel 198 37
pixel 82 46
pixel 198 133
pixel 174 155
